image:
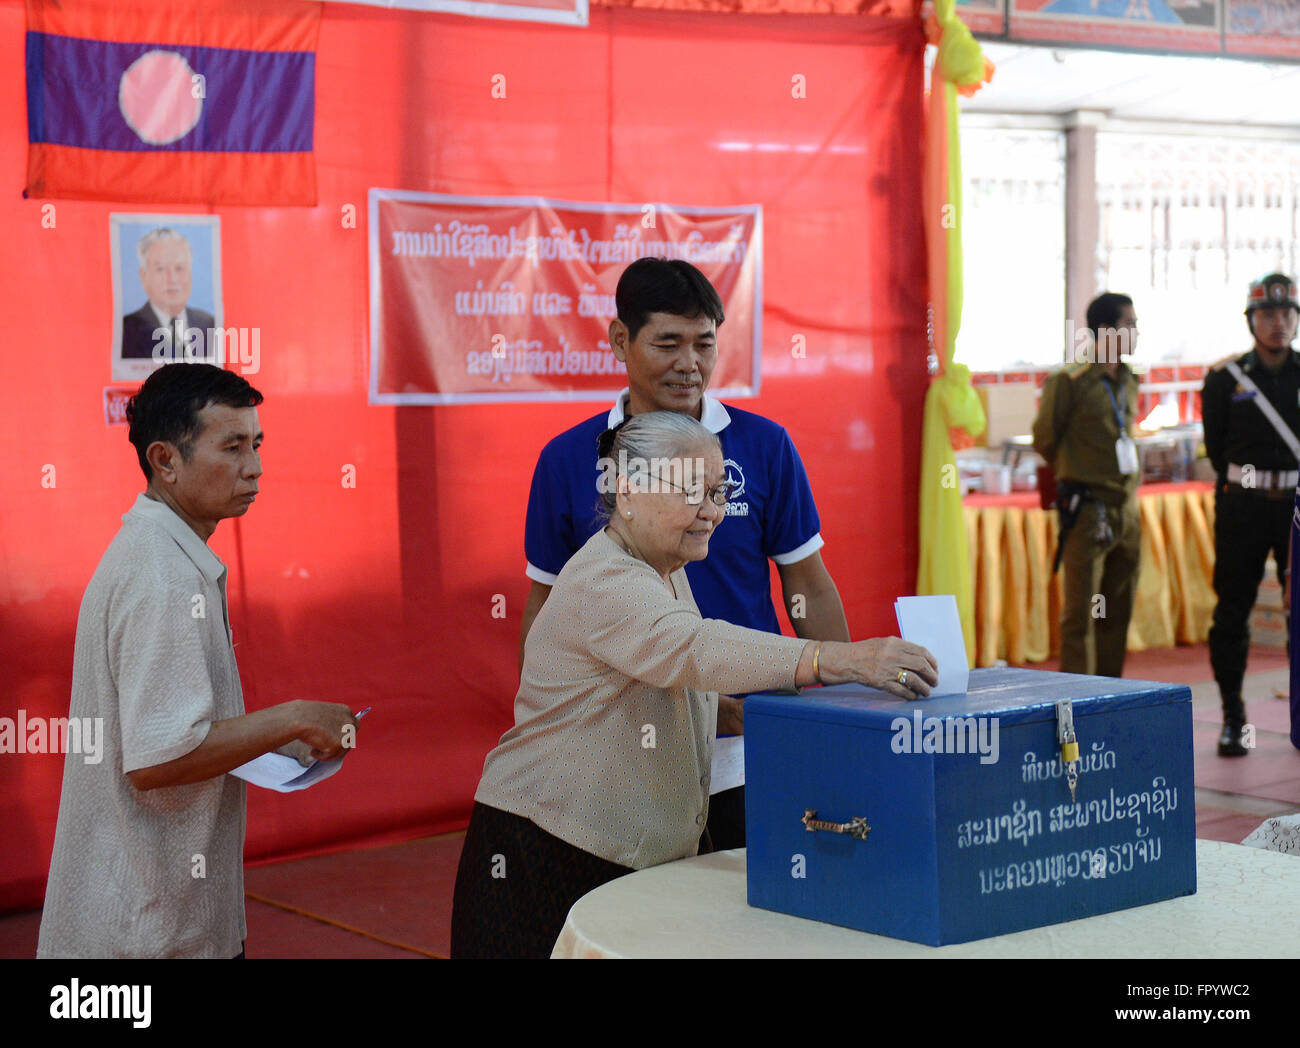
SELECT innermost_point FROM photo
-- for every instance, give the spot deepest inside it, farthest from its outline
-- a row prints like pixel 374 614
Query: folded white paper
pixel 933 623
pixel 728 764
pixel 274 771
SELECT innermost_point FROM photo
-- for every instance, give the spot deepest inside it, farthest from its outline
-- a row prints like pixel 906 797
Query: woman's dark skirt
pixel 515 886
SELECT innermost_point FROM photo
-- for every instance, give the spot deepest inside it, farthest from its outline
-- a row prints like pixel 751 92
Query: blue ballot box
pixel 947 820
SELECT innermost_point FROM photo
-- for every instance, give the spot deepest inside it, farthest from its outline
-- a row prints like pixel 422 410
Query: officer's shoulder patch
pixel 1222 365
pixel 1077 368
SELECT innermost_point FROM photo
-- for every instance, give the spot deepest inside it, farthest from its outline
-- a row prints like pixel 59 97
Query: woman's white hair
pixel 642 439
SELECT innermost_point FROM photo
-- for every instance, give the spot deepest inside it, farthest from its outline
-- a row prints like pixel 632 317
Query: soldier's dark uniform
pixel 1075 431
pixel 1253 502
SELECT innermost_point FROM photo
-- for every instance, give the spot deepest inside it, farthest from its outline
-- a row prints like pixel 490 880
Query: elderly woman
pixel 606 770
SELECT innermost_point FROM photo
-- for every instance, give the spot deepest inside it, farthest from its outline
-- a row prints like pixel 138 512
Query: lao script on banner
pixel 481 299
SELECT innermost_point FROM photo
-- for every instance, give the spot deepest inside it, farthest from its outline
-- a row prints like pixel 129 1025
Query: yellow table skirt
pixel 1018 600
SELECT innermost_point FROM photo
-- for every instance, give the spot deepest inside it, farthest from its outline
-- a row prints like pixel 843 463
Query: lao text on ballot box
pixel 951 819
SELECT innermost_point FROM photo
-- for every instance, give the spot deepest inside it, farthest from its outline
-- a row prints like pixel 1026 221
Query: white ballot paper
pixel 728 764
pixel 275 771
pixel 933 623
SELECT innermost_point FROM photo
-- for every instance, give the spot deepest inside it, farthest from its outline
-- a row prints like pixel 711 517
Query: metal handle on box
pixel 856 827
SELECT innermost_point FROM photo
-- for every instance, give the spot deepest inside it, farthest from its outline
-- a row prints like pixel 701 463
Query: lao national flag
pixel 209 101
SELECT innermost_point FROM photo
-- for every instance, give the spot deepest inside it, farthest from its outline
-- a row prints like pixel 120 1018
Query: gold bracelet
pixel 817 673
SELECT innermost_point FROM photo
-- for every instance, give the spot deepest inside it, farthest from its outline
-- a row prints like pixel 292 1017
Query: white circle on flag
pixel 160 97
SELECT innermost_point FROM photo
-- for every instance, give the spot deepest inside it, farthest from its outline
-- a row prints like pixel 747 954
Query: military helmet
pixel 1276 289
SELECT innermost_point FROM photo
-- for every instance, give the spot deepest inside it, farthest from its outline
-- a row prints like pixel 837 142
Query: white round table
pixel 1280 834
pixel 1244 906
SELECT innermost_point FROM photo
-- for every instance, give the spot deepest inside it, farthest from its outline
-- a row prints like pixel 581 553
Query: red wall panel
pixel 382 594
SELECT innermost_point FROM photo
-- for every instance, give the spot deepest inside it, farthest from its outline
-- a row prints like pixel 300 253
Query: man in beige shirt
pixel 148 852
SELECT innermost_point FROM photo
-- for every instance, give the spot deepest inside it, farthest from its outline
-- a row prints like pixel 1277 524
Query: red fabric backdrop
pixel 383 594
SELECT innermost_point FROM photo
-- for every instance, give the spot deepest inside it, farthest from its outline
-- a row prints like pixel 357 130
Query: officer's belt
pixel 1110 498
pixel 1264 479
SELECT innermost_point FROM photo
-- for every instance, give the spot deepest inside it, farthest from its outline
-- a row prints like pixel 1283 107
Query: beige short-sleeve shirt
pixel 617 709
pixel 157 873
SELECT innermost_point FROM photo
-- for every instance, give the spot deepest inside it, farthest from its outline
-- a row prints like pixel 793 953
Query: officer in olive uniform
pixel 1257 476
pixel 1084 429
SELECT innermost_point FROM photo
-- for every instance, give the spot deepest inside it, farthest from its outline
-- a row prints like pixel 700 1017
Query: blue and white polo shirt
pixel 771 514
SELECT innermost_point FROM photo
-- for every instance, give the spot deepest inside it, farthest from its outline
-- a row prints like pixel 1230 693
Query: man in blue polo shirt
pixel 666 334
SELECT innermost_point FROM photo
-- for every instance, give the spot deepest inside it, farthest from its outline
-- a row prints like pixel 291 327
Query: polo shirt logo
pixel 735 476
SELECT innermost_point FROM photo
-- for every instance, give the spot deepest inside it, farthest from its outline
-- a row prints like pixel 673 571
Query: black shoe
pixel 1230 741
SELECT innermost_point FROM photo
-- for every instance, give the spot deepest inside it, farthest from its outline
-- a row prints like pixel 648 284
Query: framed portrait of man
pixel 166 292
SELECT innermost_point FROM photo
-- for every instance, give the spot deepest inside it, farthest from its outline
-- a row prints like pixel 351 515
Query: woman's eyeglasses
pixel 696 493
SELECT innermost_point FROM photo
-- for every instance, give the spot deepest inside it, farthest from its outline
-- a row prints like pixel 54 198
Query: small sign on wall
pixel 115 398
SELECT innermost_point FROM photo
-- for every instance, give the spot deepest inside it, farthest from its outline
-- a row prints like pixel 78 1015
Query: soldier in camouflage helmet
pixel 1250 406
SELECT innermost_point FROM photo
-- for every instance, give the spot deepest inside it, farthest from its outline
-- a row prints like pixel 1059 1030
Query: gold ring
pixel 902 678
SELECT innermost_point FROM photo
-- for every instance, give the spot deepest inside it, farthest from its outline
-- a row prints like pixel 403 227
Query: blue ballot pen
pixel 358 716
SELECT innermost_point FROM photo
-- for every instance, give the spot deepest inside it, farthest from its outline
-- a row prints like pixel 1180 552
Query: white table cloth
pixel 1245 906
pixel 1280 834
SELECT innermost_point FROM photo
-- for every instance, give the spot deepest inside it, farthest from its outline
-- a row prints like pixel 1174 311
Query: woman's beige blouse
pixel 618 706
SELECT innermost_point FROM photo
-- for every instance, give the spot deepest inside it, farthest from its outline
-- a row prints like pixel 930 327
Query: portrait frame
pixel 203 233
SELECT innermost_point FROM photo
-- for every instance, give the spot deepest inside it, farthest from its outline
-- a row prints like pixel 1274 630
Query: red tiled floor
pixel 1286 791
pixel 1222 824
pixel 18 934
pixel 1184 664
pixel 1272 769
pixel 400 893
pixel 273 932
pixel 1267 714
pixel 389 902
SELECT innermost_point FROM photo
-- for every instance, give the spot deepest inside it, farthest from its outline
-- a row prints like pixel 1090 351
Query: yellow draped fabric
pixel 950 402
pixel 1198 595
pixel 1018 602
